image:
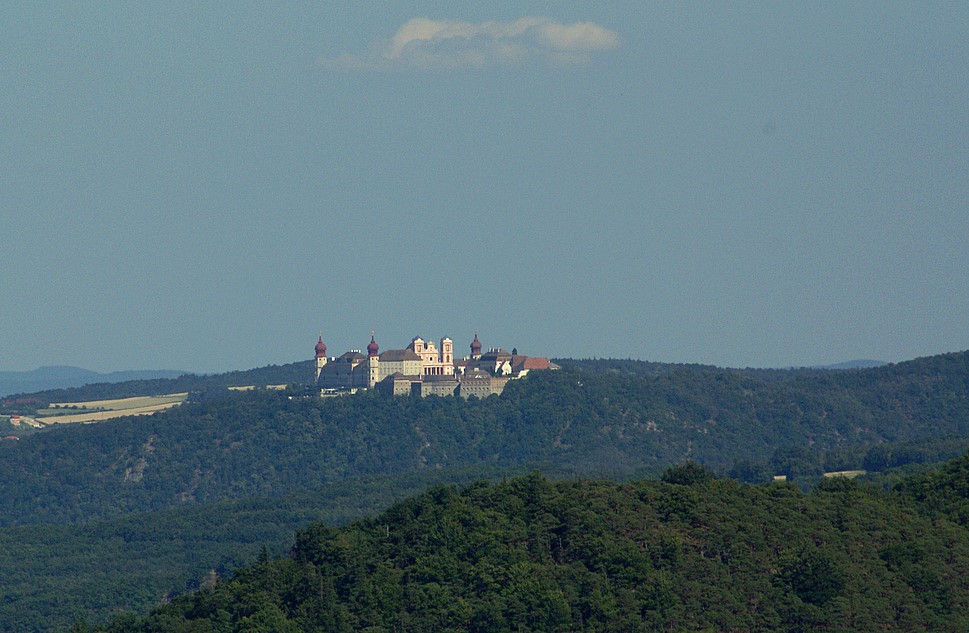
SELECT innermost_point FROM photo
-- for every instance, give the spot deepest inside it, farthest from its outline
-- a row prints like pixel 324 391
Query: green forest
pixel 99 518
pixel 291 373
pixel 234 445
pixel 689 552
pixel 56 574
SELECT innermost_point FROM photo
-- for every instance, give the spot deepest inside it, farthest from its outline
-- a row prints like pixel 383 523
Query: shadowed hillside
pixel 235 445
pixel 687 553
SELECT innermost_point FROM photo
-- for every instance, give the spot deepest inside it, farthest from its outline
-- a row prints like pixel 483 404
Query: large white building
pixel 422 368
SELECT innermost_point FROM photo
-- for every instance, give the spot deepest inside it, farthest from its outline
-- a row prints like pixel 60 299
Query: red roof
pixel 320 348
pixel 535 362
pixel 372 349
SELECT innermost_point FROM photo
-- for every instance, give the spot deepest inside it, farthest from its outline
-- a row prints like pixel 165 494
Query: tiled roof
pixel 349 356
pixel 397 355
pixel 496 354
pixel 441 378
pixel 535 362
pixel 399 377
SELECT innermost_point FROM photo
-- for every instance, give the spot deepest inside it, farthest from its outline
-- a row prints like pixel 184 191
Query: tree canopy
pixel 532 554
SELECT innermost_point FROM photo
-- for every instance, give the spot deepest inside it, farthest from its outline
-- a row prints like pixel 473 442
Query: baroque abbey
pixel 423 369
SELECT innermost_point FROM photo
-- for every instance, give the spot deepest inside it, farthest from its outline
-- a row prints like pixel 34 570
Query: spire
pixel 475 346
pixel 372 349
pixel 320 347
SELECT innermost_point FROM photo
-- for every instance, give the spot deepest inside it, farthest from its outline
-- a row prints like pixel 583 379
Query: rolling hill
pixel 63 377
pixel 691 552
pixel 225 445
pixel 104 486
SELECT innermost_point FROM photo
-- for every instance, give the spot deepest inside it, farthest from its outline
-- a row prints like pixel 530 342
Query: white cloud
pixel 427 43
pixel 584 36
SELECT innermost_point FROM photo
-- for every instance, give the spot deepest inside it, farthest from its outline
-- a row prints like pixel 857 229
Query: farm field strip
pixel 98 410
pixel 98 416
pixel 123 403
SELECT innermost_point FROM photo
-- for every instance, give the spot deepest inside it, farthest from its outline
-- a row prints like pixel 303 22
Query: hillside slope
pixel 687 553
pixel 63 377
pixel 56 574
pixel 259 444
pixel 91 386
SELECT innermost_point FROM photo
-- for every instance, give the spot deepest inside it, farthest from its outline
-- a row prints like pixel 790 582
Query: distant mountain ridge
pixel 65 376
pixel 291 373
pixel 861 363
pixel 58 377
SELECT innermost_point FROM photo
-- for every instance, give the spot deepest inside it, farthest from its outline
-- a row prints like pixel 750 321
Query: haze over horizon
pixel 209 187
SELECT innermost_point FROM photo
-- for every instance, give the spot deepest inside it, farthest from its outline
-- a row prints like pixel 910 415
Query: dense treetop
pixel 943 492
pixel 56 574
pixel 291 373
pixel 691 552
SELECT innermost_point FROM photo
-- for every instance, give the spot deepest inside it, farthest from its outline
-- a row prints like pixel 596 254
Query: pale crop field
pixel 98 410
pixel 123 403
pixel 850 474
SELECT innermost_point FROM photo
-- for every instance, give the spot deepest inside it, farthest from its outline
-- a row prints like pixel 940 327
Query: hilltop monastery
pixel 423 369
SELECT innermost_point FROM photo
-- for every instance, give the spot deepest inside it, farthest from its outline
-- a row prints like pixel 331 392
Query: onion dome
pixel 320 348
pixel 475 345
pixel 372 349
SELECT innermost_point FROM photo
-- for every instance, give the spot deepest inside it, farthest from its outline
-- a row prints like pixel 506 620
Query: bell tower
pixel 447 355
pixel 475 348
pixel 320 356
pixel 373 361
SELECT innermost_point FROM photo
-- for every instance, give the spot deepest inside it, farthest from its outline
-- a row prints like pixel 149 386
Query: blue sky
pixel 207 187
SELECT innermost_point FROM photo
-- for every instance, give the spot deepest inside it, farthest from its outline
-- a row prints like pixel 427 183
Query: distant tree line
pixel 236 445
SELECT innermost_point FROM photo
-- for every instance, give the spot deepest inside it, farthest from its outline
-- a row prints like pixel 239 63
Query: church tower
pixel 475 348
pixel 373 361
pixel 320 357
pixel 417 344
pixel 447 355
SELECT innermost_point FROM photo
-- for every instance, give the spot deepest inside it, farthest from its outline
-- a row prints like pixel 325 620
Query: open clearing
pixel 123 403
pixel 98 410
pixel 850 474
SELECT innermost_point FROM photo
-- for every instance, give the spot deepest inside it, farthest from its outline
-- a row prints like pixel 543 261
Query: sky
pixel 211 186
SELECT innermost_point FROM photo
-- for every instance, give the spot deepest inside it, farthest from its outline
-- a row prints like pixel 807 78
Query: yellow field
pixel 850 474
pixel 123 403
pixel 98 410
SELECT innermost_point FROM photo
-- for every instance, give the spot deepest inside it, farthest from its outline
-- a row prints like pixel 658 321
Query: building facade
pixel 422 368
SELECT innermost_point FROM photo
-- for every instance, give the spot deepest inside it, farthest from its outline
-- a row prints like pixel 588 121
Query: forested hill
pixel 300 373
pixel 236 445
pixel 52 575
pixel 291 373
pixel 941 493
pixel 690 552
pixel 60 377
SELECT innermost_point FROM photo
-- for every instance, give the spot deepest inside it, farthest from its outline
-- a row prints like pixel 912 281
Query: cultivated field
pixel 850 474
pixel 98 410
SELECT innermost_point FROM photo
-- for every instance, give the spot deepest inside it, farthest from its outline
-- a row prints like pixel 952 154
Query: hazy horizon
pixel 210 186
pixel 854 363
